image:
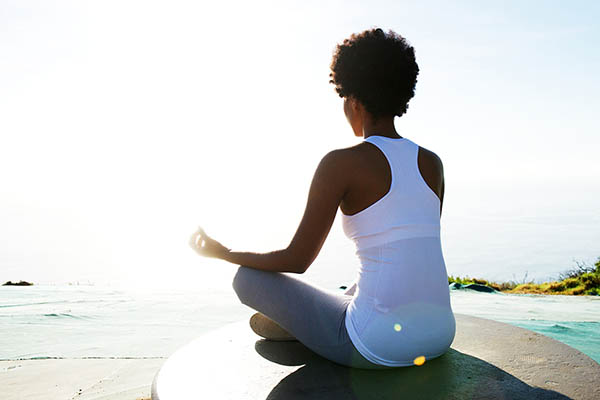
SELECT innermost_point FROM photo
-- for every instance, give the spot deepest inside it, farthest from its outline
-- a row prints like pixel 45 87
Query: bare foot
pixel 269 329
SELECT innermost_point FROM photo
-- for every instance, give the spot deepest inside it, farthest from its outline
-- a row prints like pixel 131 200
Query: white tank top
pixel 401 307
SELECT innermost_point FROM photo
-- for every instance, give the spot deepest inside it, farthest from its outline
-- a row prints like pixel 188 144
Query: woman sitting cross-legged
pixel 390 192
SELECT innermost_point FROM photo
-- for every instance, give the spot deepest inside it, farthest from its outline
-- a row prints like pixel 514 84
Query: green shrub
pixel 591 281
pixel 584 279
pixel 556 287
pixel 570 283
pixel 593 292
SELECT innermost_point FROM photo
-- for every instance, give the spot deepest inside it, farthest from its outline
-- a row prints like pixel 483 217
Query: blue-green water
pixel 574 320
pixel 88 321
pixel 583 336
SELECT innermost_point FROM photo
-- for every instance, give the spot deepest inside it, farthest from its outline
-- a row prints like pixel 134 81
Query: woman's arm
pixel 326 192
pixel 432 171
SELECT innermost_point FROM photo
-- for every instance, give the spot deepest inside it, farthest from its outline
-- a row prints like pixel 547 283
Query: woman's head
pixel 378 69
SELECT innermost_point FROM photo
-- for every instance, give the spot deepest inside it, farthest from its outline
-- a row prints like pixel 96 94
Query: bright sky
pixel 125 124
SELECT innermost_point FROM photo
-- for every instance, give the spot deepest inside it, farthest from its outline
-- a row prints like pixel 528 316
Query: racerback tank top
pixel 401 307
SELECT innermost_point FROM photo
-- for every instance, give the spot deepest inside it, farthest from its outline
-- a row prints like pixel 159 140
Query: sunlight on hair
pixel 419 361
pixel 397 327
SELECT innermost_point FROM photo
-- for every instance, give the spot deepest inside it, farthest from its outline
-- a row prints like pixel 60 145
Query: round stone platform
pixel 487 360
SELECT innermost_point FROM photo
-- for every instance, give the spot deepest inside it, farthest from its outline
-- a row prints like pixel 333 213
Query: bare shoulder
pixel 341 158
pixel 430 160
pixel 430 164
pixel 362 161
pixel 355 155
pixel 432 171
pixel 340 167
pixel 330 171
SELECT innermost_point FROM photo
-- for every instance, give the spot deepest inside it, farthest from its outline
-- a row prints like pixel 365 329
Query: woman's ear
pixel 354 111
pixel 354 104
pixel 357 107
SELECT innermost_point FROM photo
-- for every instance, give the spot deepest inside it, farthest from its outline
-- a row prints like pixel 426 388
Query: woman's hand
pixel 207 246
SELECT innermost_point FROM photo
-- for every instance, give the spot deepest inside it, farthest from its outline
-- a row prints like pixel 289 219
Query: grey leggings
pixel 314 316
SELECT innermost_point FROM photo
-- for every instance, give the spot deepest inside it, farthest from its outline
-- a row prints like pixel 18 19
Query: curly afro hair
pixel 376 68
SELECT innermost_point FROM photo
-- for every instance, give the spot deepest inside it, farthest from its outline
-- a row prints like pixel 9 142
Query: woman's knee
pixel 238 279
pixel 241 282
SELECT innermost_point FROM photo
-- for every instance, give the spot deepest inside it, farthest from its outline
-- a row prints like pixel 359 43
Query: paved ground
pixel 488 360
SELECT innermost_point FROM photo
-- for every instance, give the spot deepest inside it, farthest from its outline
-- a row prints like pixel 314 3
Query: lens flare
pixel 419 360
pixel 397 327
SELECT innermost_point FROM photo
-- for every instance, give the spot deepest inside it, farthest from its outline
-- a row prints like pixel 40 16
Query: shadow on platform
pixel 454 375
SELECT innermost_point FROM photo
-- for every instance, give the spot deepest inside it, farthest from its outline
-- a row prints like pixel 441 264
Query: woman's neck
pixel 383 126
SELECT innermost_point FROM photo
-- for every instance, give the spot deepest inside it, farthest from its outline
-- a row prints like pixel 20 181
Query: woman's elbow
pixel 301 268
pixel 298 262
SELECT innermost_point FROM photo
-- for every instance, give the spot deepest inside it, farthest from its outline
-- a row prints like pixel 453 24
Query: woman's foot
pixel 269 329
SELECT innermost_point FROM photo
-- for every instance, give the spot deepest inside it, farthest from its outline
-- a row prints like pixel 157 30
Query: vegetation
pixel 581 280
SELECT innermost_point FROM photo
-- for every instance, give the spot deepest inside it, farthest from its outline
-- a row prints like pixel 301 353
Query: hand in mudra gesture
pixel 207 246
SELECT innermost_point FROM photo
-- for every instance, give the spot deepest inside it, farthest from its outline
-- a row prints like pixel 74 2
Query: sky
pixel 126 124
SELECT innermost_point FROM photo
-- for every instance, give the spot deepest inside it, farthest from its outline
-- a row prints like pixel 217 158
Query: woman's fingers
pixel 194 239
pixel 206 246
pixel 197 238
pixel 201 242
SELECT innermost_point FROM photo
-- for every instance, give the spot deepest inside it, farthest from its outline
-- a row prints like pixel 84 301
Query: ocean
pixel 79 321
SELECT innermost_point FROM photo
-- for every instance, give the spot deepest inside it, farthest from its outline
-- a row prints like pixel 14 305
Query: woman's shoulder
pixel 347 158
pixel 432 170
pixel 344 154
pixel 429 159
pixel 343 164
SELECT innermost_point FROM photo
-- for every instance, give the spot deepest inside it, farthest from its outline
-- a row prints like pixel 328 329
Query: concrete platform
pixel 488 360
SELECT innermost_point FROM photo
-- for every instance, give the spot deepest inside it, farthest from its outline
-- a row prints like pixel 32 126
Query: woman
pixel 390 193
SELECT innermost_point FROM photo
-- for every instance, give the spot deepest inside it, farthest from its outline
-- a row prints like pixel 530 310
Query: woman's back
pixel 401 309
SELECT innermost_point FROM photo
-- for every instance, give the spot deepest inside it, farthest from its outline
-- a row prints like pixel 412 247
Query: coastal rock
pixel 479 288
pixel 20 283
pixel 472 286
